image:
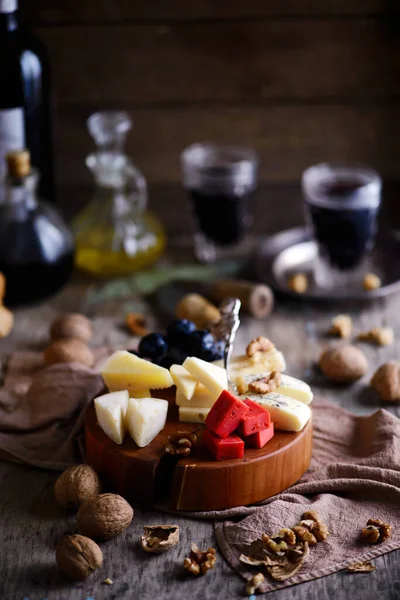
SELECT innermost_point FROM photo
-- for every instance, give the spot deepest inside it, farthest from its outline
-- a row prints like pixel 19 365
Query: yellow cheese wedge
pixel 193 415
pixel 145 418
pixel 202 398
pixel 290 386
pixel 184 381
pixel 111 412
pixel 241 366
pixel 212 377
pixel 140 393
pixel 125 371
pixel 286 413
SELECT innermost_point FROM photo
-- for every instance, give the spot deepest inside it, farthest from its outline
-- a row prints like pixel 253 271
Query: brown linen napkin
pixel 42 410
pixel 354 476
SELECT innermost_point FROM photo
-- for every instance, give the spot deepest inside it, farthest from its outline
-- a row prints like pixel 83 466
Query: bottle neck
pixel 21 193
pixel 8 15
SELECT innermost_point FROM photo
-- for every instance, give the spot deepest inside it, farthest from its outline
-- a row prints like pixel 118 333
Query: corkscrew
pixel 225 330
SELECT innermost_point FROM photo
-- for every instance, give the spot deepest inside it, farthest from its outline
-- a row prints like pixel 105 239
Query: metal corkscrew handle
pixel 227 327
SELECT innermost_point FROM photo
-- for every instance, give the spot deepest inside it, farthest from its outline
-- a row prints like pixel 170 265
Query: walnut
pixel 76 484
pixel 361 567
pixel 159 538
pixel 254 583
pixel 78 556
pixel 342 326
pixel 381 336
pixel 267 384
pixel 69 350
pixel 136 323
pixel 288 535
pixel 199 562
pixel 259 344
pixel 290 564
pixel 386 381
pixel 181 443
pixel 371 282
pixel 370 534
pixel 275 544
pixel 376 531
pixel 104 516
pixel 6 321
pixel 343 364
pixel 73 325
pixel 298 282
pixel 303 534
pixel 312 521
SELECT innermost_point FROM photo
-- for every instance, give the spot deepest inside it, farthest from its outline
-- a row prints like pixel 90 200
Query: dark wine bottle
pixel 25 112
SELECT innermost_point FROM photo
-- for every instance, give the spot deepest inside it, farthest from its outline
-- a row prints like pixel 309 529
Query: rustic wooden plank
pixel 273 61
pixel 287 138
pixel 48 11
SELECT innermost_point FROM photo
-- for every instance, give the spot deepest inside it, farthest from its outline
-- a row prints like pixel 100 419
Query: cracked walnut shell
pixel 159 538
pixel 78 556
pixel 104 516
pixel 343 364
pixel 386 381
pixel 75 485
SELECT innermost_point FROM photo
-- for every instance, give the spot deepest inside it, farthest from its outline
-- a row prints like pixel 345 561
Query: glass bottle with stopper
pixel 115 234
pixel 36 246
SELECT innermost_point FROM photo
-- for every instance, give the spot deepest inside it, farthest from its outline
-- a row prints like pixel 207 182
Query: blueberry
pixel 216 352
pixel 152 345
pixel 166 361
pixel 179 331
pixel 199 342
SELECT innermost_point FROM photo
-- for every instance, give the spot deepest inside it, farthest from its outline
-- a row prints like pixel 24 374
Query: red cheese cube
pixel 223 448
pixel 259 439
pixel 226 414
pixel 256 419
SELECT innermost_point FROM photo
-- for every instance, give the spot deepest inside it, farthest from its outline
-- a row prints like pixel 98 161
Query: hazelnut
pixel 69 350
pixel 386 381
pixel 343 364
pixel 78 556
pixel 76 484
pixel 104 516
pixel 72 326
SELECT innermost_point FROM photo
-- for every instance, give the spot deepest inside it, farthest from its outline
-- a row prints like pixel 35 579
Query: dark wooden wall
pixel 300 80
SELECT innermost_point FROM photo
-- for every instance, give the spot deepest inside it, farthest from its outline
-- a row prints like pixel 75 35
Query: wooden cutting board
pixel 146 475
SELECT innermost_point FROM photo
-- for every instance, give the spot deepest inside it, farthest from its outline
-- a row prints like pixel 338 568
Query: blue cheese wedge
pixel 290 386
pixel 193 415
pixel 242 366
pixel 286 413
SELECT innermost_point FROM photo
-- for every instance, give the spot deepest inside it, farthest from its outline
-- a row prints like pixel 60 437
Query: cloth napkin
pixel 354 473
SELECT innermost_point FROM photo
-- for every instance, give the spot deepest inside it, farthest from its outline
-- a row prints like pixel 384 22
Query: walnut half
pixel 266 385
pixel 259 344
pixel 199 562
pixel 376 531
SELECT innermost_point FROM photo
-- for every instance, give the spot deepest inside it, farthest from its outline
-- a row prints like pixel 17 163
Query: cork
pixel 257 299
pixel 198 309
pixel 18 163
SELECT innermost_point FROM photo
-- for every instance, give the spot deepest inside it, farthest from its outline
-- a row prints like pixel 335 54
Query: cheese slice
pixel 290 386
pixel 212 377
pixel 125 371
pixel 145 418
pixel 184 381
pixel 202 398
pixel 241 366
pixel 193 415
pixel 111 412
pixel 286 413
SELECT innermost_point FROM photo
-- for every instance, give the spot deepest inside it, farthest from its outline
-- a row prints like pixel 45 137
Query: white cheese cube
pixel 111 412
pixel 286 413
pixel 212 377
pixel 193 415
pixel 290 386
pixel 145 418
pixel 202 398
pixel 184 381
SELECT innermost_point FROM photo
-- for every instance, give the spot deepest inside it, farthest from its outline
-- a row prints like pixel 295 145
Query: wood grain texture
pixel 88 11
pixel 198 482
pixel 293 60
pixel 287 138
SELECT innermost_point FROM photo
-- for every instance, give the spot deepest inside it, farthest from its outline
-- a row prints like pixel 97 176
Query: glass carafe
pixel 115 234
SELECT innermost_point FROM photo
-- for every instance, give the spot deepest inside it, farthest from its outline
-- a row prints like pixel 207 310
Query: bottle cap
pixel 18 163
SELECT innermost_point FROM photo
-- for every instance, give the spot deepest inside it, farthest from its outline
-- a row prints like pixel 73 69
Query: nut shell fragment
pixel 104 516
pixel 159 538
pixel 78 556
pixel 75 485
pixel 343 364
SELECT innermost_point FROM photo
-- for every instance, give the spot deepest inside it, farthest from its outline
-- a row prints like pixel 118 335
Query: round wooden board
pixel 146 475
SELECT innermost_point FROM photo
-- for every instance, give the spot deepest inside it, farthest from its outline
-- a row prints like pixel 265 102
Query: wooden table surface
pixel 31 522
